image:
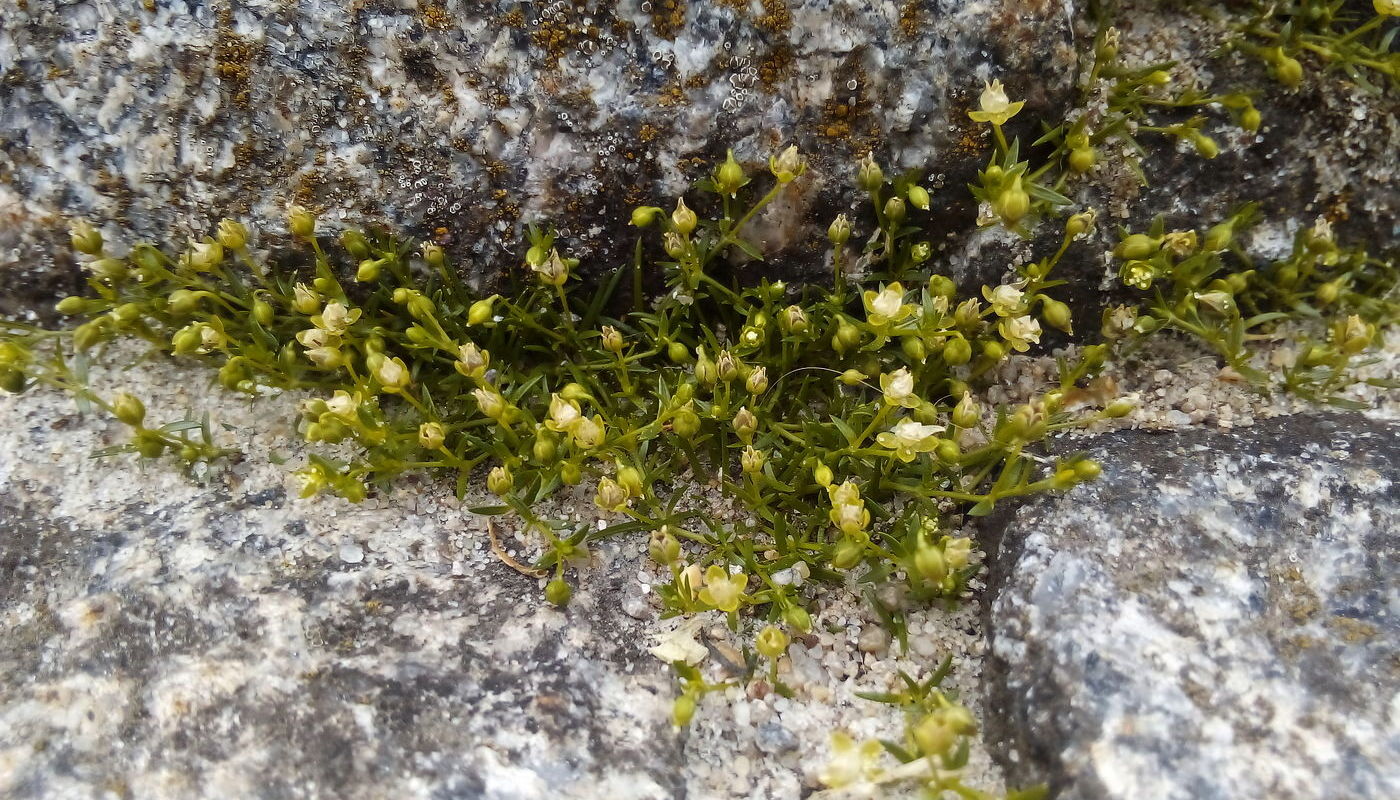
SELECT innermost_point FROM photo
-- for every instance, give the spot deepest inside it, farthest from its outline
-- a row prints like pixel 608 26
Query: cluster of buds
pixel 566 416
pixel 941 565
pixel 616 494
pixel 939 730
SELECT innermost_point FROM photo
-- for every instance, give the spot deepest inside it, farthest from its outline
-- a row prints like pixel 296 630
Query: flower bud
pixel 1137 246
pixel 726 367
pixel 1328 293
pixel 611 339
pixel 956 552
pixel 1287 69
pixel 355 244
pixel 1082 159
pixel 751 460
pixel 1205 146
pixel 745 424
pixel 914 349
pixel 941 286
pixel 431 435
pixel 642 216
pixel 673 244
pixel 500 480
pixel 368 271
pixel 85 238
pixel 72 305
pixel 434 255
pixel 947 451
pixel 1121 407
pixel 305 300
pixel 149 444
pixel 683 710
pixel 929 562
pixel 868 174
pixel 1087 469
pixel 1056 314
pixel 934 736
pixel 678 353
pixel 611 495
pixel 128 409
pixel 705 370
pixel 1250 120
pixel 301 222
pixel 839 231
pixel 558 592
pixel 686 423
pixel 729 177
pixel 957 351
pixel 848 553
pixel 683 218
pixel 232 234
pixel 1080 224
pixel 821 474
pixel 663 547
pixel 918 197
pixel 788 165
pixel 797 617
pixel 757 382
pixel 793 320
pixel 895 210
pixel 182 302
pixel 846 338
pixel 1013 203
pixel 570 473
pixel 630 479
pixel 966 414
pixel 481 311
pixel 771 642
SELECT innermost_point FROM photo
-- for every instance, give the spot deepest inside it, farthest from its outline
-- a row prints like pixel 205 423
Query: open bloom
pixel 472 361
pixel 908 438
pixel 848 510
pixel 1020 332
pixel 996 108
pixel 886 306
pixel 392 374
pixel 851 762
pixel 589 432
pixel 335 318
pixel 1007 301
pixel 343 404
pixel 563 414
pixel 898 387
pixel 722 590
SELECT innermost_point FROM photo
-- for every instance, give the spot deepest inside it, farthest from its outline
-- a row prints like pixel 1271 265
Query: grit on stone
pixel 169 637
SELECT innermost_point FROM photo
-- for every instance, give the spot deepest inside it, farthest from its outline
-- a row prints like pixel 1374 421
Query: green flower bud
pixel 128 409
pixel 918 197
pixel 85 238
pixel 481 311
pixel 846 338
pixel 948 451
pixel 355 244
pixel 745 424
pixel 630 479
pixel 678 353
pixel 957 351
pixel 434 255
pixel 642 216
pixel 684 219
pixel 966 413
pixel 108 268
pixel 705 370
pixel 895 210
pixel 368 271
pixel 431 435
pixel 729 177
pixel 941 286
pixel 500 480
pixel 1205 146
pixel 1328 293
pixel 686 423
pixel 849 552
pixel 11 380
pixel 1121 407
pixel 793 320
pixel 1137 246
pixel 869 176
pixel 797 617
pixel 914 349
pixel 301 222
pixel 771 642
pixel 1013 203
pixel 149 444
pixel 929 563
pixel 232 234
pixel 1082 159
pixel 839 231
pixel 1287 69
pixel 757 382
pixel 683 710
pixel 558 592
pixel 1080 224
pixel 1056 314
pixel 1087 469
pixel 663 547
pixel 571 473
pixel 71 305
pixel 545 447
pixel 1250 119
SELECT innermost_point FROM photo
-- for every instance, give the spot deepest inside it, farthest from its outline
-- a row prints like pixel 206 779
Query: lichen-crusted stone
pixel 459 119
pixel 1214 617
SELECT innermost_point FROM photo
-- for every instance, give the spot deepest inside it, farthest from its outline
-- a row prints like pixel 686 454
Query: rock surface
pixel 459 119
pixel 1215 617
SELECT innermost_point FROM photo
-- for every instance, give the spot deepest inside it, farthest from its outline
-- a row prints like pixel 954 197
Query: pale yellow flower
pixel 995 107
pixel 908 438
pixel 722 590
pixel 1020 332
pixel 898 387
pixel 851 762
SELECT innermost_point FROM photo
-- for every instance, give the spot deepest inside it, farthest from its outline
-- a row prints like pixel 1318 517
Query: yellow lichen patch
pixel 667 17
pixel 909 19
pixel 776 17
pixel 436 17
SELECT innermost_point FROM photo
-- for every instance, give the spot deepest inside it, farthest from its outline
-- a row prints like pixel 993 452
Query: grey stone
pixel 1215 617
pixel 459 119
pixel 134 666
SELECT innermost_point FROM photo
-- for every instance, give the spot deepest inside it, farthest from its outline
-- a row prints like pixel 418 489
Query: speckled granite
pixel 459 119
pixel 1215 617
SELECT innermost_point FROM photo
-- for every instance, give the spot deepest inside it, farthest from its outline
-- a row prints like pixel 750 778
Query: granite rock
pixel 460 119
pixel 214 649
pixel 1214 617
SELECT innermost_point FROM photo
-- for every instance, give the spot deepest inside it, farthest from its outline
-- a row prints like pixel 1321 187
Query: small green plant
pixel 1205 285
pixel 1291 38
